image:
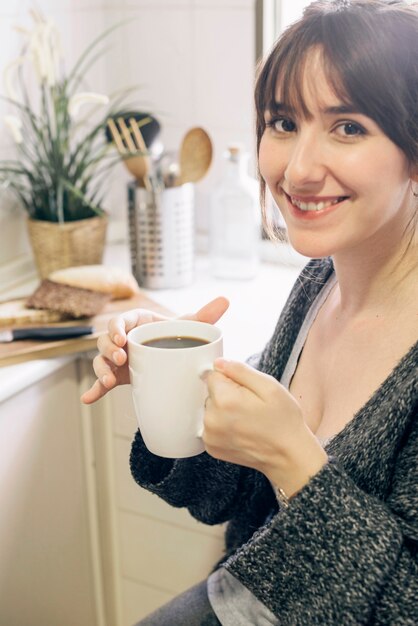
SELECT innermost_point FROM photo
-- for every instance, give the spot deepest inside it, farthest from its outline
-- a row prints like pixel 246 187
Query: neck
pixel 377 277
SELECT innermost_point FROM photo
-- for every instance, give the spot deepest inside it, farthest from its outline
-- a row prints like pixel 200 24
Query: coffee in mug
pixel 166 362
pixel 175 342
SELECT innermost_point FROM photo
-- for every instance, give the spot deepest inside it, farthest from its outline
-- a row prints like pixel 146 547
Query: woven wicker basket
pixel 56 246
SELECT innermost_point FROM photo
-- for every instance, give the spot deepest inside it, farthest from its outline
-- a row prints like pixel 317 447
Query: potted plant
pixel 63 158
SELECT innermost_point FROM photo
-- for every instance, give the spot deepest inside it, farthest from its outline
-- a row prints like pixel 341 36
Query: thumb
pixel 211 312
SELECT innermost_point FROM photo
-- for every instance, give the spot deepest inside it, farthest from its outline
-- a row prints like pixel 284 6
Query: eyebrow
pixel 339 109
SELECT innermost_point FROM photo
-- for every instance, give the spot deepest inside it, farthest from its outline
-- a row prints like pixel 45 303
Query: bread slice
pixel 71 301
pixel 15 313
pixel 113 280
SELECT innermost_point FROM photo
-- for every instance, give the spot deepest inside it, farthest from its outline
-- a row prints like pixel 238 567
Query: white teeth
pixel 313 206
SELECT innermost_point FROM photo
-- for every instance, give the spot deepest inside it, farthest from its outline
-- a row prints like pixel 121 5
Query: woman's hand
pixel 252 420
pixel 111 364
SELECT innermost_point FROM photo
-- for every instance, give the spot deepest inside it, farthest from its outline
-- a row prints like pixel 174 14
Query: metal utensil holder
pixel 161 235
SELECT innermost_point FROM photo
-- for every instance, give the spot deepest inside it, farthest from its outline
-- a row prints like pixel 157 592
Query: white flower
pixel 45 51
pixel 85 97
pixel 14 124
pixel 8 75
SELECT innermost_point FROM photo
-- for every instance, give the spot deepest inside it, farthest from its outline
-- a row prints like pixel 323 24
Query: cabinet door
pixel 161 550
pixel 46 573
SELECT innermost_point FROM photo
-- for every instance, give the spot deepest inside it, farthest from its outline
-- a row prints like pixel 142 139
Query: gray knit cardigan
pixel 345 552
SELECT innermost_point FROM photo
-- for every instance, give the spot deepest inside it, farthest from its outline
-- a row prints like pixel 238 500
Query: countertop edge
pixel 15 378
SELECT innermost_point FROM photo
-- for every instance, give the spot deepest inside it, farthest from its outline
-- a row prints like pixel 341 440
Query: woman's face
pixel 338 180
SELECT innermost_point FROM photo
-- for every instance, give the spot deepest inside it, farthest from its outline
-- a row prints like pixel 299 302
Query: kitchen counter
pixel 247 325
pixel 29 350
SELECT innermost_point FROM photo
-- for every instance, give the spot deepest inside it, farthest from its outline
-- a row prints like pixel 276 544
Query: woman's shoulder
pixel 314 275
pixel 307 287
pixel 311 280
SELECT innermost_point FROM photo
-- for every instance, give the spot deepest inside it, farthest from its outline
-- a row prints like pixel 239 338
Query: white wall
pixel 291 10
pixel 194 60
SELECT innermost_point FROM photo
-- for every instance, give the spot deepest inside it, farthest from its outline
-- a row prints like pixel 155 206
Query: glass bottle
pixel 235 225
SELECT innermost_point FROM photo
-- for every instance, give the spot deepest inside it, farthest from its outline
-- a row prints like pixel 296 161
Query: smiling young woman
pixel 341 183
pixel 311 452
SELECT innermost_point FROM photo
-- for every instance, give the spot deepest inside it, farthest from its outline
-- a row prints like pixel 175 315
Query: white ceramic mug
pixel 168 390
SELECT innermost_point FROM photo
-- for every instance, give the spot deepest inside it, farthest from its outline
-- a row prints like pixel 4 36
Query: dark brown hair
pixel 370 54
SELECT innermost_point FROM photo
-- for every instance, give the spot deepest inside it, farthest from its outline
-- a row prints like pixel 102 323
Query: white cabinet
pixel 47 573
pixel 154 551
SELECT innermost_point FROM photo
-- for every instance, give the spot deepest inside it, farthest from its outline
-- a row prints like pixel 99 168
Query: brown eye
pixel 288 126
pixel 350 129
pixel 282 125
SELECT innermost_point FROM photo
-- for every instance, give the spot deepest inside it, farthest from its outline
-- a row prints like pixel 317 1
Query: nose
pixel 306 165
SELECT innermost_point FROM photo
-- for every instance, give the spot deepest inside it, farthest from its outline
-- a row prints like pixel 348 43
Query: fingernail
pixel 118 340
pixel 117 356
pixel 105 380
pixel 220 363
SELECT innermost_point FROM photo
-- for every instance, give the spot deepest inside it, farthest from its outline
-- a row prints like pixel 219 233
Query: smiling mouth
pixel 315 206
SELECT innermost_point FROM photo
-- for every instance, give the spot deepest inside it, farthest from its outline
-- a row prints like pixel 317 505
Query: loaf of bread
pixel 115 281
pixel 74 302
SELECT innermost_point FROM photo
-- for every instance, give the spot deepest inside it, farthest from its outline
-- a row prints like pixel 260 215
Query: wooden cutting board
pixel 22 351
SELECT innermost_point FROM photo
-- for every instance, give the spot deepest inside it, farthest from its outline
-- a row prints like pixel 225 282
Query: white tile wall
pixel 227 4
pixel 195 63
pixel 155 53
pixel 155 5
pixel 12 236
pixel 223 61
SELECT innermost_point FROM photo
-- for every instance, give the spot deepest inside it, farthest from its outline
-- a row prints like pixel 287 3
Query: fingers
pixel 225 394
pixel 110 366
pixel 108 377
pixel 119 326
pixel 105 368
pixel 111 344
pixel 245 376
pixel 110 350
pixel 93 394
pixel 210 312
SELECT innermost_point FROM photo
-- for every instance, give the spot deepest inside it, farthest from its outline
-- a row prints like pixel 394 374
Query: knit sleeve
pixel 215 491
pixel 209 488
pixel 338 555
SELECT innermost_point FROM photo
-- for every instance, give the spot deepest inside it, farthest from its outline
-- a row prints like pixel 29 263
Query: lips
pixel 310 207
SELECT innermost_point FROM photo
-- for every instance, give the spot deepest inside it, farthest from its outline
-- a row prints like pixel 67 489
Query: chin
pixel 310 248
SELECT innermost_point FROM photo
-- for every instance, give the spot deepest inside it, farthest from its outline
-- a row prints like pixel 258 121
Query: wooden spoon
pixel 195 155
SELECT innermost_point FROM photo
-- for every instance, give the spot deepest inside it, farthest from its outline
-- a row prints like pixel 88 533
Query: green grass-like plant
pixel 62 162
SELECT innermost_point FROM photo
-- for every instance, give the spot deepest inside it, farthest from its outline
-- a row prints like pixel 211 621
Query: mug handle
pixel 203 370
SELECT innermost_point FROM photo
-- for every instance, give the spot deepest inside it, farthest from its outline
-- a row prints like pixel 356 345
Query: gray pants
pixel 191 608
